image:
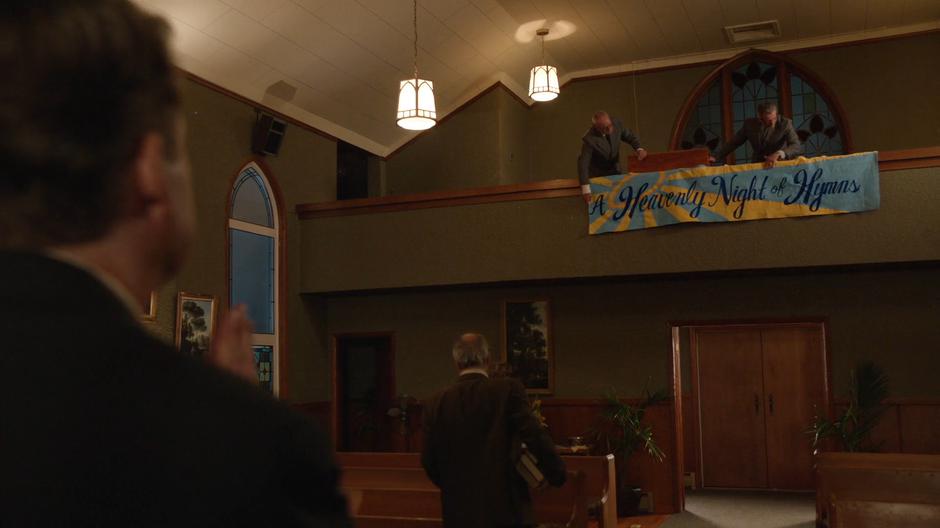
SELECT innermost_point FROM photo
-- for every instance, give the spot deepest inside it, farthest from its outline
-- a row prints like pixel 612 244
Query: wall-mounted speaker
pixel 267 134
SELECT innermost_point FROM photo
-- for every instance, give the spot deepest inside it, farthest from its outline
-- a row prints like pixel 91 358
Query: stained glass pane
pixel 814 122
pixel 250 200
pixel 252 277
pixel 703 130
pixel 751 84
pixel 264 365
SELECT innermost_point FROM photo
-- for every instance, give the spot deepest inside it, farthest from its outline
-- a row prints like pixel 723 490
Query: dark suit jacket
pixel 472 435
pixel 600 154
pixel 764 141
pixel 103 425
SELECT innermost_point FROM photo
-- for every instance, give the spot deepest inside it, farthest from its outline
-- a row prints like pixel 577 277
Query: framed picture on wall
pixel 150 310
pixel 195 323
pixel 526 344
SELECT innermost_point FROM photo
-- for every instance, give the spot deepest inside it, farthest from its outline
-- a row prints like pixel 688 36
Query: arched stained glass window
pixel 735 89
pixel 813 120
pixel 704 126
pixel 250 199
pixel 253 265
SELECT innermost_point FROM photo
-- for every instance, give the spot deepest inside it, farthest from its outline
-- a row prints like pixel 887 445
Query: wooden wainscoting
pixel 567 417
pixel 909 425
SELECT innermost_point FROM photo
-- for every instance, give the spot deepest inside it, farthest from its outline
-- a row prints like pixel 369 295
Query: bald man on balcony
pixel 600 150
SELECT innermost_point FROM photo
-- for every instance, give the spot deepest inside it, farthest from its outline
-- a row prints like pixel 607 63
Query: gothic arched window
pixel 253 266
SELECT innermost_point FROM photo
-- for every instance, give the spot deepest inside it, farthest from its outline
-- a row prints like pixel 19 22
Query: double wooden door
pixel 758 388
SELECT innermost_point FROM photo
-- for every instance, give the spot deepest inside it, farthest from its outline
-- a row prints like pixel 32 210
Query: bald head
pixel 471 351
pixel 602 123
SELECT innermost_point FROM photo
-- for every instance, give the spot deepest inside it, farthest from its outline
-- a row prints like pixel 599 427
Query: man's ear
pixel 149 169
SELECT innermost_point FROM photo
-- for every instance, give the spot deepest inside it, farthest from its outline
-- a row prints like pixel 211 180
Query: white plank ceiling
pixel 342 60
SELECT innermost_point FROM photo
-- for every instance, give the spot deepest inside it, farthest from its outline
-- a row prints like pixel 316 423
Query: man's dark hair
pixel 766 108
pixel 86 80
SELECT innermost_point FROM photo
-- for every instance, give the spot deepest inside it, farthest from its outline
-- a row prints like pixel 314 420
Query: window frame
pixel 785 65
pixel 277 340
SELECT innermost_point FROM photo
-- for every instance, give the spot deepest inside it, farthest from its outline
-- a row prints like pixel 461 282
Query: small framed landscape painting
pixel 526 344
pixel 195 322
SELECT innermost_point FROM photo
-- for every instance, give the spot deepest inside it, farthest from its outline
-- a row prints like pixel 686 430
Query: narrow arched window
pixel 729 95
pixel 253 266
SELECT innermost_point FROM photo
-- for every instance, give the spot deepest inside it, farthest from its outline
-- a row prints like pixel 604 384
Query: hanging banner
pixel 733 193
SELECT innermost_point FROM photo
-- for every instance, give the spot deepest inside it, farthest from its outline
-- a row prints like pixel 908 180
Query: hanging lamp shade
pixel 543 83
pixel 543 79
pixel 416 110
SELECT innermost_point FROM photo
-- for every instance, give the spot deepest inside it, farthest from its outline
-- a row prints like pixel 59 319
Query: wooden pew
pixel 859 490
pixel 392 488
pixel 565 506
pixel 600 485
pixel 412 508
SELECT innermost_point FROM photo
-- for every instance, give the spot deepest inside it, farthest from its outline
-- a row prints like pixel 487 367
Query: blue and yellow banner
pixel 732 193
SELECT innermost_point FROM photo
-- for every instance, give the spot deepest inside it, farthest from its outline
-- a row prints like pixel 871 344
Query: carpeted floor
pixel 745 509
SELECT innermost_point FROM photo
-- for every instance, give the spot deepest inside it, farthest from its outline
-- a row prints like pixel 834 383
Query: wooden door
pixel 794 387
pixel 364 391
pixel 731 412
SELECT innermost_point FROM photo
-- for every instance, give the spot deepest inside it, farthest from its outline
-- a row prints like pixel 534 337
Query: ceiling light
pixel 543 79
pixel 416 110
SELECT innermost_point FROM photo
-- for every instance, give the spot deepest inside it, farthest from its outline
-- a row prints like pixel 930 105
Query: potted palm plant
pixel 621 431
pixel 852 428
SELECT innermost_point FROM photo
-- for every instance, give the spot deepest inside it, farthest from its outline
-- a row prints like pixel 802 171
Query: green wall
pixel 888 89
pixel 616 333
pixel 547 239
pixel 219 133
pixel 461 152
pixel 515 152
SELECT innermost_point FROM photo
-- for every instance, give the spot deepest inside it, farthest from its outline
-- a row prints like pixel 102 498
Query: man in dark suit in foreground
pixel 600 150
pixel 473 434
pixel 772 138
pixel 101 424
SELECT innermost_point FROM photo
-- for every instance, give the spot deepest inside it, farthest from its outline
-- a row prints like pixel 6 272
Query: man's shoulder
pixel 489 384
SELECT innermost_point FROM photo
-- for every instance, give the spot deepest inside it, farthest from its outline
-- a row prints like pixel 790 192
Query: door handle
pixel 756 404
pixel 771 402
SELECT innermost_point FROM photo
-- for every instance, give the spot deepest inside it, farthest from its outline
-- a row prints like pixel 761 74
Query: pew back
pixel 393 488
pixel 866 487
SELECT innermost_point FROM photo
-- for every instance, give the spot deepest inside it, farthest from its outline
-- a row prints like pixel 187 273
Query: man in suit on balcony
pixel 600 150
pixel 772 138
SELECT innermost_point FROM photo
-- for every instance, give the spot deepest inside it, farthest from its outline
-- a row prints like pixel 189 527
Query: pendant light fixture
pixel 543 80
pixel 416 110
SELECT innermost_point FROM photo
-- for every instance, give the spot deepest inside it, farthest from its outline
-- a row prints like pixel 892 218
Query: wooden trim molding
pixel 408 202
pixel 916 158
pixel 560 188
